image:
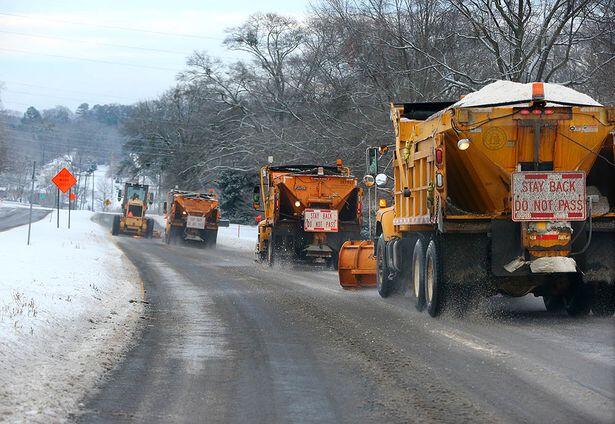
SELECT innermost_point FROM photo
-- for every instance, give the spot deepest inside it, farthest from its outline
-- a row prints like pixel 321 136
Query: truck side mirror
pixel 381 180
pixel 119 195
pixel 372 161
pixel 164 207
pixel 256 199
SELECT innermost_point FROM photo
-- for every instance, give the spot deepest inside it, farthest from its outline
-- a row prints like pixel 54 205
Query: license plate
pixel 195 222
pixel 548 196
pixel 320 220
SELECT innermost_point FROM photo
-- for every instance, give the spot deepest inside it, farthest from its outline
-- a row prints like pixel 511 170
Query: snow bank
pixel 65 315
pixel 508 92
pixel 241 237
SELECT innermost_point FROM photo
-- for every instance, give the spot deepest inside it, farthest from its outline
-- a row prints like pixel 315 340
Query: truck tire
pixel 115 228
pixel 384 285
pixel 418 275
pixel 434 283
pixel 578 301
pixel 554 303
pixel 270 252
pixel 333 261
pixel 149 229
pixel 212 238
pixel 603 302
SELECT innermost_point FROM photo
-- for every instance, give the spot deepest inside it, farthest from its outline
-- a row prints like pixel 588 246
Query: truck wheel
pixel 418 275
pixel 332 262
pixel 174 235
pixel 384 285
pixel 149 231
pixel 578 301
pixel 554 303
pixel 270 252
pixel 434 286
pixel 115 229
pixel 212 239
pixel 603 303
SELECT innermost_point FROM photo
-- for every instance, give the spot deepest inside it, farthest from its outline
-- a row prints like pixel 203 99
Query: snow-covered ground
pixel 241 237
pixel 69 304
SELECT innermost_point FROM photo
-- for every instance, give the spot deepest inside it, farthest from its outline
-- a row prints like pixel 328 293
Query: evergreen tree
pixel 236 189
pixel 32 116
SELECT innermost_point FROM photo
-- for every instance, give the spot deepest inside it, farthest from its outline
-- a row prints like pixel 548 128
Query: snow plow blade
pixel 357 264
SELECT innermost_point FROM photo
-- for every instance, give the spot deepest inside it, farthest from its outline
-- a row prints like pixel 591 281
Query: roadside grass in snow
pixel 66 315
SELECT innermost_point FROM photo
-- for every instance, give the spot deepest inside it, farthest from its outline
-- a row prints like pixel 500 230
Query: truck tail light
pixel 439 180
pixel 439 156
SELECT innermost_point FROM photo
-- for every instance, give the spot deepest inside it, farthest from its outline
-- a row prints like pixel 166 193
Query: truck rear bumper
pixel 318 251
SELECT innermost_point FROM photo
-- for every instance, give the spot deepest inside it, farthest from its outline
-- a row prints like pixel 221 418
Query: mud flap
pixel 505 248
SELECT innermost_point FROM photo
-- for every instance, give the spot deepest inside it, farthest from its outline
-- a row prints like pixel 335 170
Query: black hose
pixel 589 238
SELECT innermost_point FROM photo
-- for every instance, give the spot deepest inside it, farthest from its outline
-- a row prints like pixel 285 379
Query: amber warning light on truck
pixel 554 196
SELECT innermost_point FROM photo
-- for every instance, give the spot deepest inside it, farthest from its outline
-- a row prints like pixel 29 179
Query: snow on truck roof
pixel 306 169
pixel 502 93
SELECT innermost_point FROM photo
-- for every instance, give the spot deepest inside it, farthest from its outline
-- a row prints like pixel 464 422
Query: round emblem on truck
pixel 494 138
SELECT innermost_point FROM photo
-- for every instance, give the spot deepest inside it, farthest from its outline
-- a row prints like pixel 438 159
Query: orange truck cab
pixel 309 212
pixel 192 216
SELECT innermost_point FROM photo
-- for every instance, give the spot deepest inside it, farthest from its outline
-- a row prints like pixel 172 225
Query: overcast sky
pixel 43 45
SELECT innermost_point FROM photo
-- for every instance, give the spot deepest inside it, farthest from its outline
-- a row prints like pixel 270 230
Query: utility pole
pixel 31 200
pixel 92 191
pixel 159 197
pixel 85 192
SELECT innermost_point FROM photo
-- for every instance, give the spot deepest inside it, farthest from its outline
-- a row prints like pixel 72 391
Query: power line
pixel 85 59
pixel 35 147
pixel 46 95
pixel 122 28
pixel 77 40
pixel 85 93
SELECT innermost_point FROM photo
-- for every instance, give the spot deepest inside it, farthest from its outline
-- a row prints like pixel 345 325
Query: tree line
pixel 53 137
pixel 318 89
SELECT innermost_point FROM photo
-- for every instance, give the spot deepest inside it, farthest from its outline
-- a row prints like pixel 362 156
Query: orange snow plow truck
pixel 192 216
pixel 511 190
pixel 310 211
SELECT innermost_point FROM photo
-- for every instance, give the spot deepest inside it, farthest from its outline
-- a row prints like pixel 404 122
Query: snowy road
pixel 13 216
pixel 229 340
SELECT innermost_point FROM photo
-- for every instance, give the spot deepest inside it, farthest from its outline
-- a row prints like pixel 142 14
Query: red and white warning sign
pixel 548 196
pixel 320 220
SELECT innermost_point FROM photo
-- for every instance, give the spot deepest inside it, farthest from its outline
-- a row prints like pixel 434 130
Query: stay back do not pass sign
pixel 548 196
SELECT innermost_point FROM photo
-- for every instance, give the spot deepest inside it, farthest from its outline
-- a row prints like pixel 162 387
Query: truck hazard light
pixel 548 196
pixel 320 220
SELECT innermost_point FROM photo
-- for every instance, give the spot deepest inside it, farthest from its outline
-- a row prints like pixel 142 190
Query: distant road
pixel 13 216
pixel 227 340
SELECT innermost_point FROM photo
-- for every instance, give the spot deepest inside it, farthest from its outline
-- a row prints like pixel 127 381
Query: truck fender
pixel 385 216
